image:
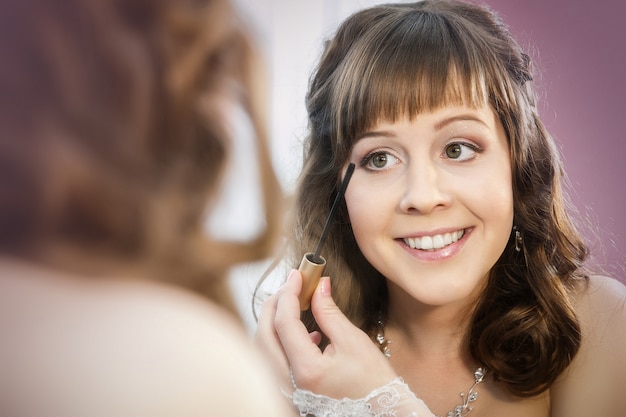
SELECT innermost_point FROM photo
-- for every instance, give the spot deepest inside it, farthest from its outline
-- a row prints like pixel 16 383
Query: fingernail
pixel 282 286
pixel 291 274
pixel 325 286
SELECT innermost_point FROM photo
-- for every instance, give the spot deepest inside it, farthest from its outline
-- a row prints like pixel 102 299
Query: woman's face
pixel 431 202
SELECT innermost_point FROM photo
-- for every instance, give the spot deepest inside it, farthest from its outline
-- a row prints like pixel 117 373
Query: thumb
pixel 327 314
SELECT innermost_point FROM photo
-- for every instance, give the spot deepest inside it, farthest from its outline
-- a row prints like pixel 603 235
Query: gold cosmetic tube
pixel 311 270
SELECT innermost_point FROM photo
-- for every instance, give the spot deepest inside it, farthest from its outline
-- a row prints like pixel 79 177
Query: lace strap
pixel 394 399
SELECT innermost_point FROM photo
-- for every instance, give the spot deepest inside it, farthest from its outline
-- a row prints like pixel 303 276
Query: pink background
pixel 580 55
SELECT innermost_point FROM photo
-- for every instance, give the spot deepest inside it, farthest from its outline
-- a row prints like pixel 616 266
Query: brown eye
pixel 453 151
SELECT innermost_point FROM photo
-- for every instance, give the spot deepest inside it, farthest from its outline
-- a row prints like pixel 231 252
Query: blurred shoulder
pixel 195 354
pixel 125 348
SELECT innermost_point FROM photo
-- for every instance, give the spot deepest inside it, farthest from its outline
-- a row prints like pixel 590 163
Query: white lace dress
pixel 395 399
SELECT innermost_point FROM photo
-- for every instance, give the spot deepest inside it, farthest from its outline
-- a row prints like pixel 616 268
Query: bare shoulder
pixel 593 383
pixel 601 303
pixel 601 307
pixel 601 289
pixel 129 348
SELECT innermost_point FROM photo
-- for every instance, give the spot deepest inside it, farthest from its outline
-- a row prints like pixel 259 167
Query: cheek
pixel 497 195
pixel 496 200
pixel 366 209
pixel 502 190
pixel 357 210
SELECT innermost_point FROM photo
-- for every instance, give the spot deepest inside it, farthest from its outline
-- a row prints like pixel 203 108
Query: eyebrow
pixel 438 126
pixel 461 117
pixel 375 133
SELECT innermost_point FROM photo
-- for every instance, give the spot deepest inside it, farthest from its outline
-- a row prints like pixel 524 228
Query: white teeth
pixel 434 242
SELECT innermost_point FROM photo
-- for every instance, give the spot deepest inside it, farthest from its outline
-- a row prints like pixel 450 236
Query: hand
pixel 350 366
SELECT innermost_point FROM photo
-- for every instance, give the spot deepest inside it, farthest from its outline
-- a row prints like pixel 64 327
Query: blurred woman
pixel 116 124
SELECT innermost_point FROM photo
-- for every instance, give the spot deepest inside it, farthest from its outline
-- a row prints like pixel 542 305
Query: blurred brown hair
pixel 113 135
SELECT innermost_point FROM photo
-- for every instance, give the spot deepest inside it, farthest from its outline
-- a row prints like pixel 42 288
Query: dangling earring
pixel 519 241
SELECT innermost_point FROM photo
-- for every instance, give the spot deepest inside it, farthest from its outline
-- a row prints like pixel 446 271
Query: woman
pixel 455 265
pixel 116 121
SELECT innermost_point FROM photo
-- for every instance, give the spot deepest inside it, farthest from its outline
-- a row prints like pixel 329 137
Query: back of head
pixel 114 132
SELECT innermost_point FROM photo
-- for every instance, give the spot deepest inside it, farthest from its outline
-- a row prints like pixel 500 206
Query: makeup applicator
pixel 312 264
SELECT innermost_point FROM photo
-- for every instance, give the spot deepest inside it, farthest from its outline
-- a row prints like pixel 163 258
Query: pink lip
pixel 438 254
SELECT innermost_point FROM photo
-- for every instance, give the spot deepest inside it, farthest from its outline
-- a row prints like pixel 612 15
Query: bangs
pixel 411 65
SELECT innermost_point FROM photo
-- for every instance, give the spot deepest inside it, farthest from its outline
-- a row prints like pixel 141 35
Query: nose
pixel 425 189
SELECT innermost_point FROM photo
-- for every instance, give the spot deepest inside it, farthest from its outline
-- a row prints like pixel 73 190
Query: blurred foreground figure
pixel 115 128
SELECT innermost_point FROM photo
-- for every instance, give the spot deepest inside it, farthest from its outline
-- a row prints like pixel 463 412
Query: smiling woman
pixel 454 253
pixel 423 194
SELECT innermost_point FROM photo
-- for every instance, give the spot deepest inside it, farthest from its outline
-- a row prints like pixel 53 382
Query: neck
pixel 423 346
pixel 426 340
pixel 429 331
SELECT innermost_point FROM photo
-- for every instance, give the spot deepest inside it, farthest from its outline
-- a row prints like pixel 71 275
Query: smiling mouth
pixel 434 242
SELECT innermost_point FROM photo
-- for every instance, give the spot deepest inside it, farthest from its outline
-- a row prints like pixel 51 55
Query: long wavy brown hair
pixel 393 61
pixel 114 136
